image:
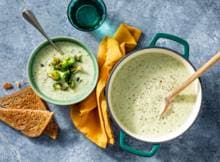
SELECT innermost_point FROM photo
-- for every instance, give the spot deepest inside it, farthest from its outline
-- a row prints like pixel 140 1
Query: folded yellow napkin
pixel 90 116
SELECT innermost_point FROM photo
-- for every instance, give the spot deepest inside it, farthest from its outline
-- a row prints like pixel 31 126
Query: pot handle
pixel 132 150
pixel 173 38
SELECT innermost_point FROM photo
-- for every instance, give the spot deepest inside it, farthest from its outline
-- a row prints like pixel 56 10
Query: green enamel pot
pixel 154 141
pixel 85 92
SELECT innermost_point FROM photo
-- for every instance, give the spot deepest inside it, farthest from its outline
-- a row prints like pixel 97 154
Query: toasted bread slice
pixel 30 122
pixel 27 99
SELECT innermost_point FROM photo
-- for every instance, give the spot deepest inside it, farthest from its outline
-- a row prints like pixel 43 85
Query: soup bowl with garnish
pixel 137 89
pixel 62 79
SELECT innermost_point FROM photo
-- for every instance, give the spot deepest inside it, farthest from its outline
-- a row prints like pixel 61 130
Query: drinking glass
pixel 91 16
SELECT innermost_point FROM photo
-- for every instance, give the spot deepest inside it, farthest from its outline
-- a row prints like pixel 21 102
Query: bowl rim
pixel 146 139
pixel 47 98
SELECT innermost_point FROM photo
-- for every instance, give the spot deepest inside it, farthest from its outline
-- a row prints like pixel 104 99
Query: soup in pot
pixel 137 94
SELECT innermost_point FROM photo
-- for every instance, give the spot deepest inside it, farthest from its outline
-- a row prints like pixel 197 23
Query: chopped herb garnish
pixel 55 75
pixel 64 87
pixel 63 71
pixel 57 86
pixel 77 69
pixel 65 75
pixel 55 61
pixel 67 63
pixel 78 58
pixel 72 84
pixel 77 79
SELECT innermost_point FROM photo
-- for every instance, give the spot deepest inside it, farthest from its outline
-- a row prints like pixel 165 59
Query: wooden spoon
pixel 198 73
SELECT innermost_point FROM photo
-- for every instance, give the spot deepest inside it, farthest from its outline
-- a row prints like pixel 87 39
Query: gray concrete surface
pixel 198 21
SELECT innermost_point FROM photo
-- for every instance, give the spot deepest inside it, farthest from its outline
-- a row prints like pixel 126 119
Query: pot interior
pixel 136 92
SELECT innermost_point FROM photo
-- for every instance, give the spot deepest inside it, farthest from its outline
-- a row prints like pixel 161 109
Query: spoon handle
pixel 30 17
pixel 187 82
pixel 197 74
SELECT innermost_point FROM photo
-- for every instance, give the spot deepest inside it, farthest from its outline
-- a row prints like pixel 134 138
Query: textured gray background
pixel 198 21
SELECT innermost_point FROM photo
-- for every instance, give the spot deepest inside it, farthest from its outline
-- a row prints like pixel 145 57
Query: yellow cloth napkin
pixel 90 116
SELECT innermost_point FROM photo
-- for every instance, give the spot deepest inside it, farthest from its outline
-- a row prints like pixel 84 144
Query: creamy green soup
pixel 138 91
pixel 44 83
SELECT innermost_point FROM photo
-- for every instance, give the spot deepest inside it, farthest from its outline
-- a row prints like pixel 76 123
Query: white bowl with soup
pixel 40 67
pixel 136 95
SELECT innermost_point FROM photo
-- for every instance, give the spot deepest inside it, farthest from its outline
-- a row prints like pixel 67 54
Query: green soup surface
pixel 138 95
